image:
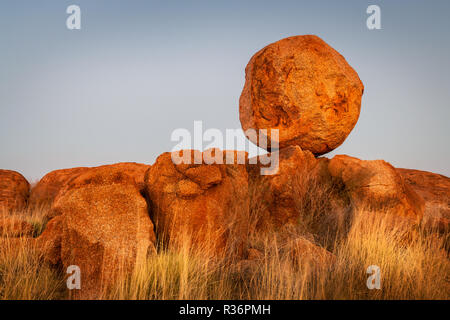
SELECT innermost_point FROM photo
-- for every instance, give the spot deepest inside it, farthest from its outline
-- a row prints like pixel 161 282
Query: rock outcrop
pixel 305 89
pixel 376 185
pixel 435 191
pixel 205 205
pixel 101 225
pixel 14 191
pixel 302 194
pixel 48 187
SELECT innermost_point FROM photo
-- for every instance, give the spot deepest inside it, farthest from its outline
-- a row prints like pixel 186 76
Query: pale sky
pixel 137 70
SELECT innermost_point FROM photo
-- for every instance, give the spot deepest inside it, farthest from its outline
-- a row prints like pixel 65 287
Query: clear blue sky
pixel 116 89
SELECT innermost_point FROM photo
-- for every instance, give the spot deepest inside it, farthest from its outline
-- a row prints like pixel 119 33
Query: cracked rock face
pixel 435 190
pixel 204 203
pixel 376 184
pixel 275 195
pixel 305 89
pixel 48 187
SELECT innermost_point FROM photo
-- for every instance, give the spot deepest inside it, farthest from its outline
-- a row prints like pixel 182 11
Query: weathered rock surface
pixel 48 187
pixel 375 184
pixel 11 226
pixel 205 204
pixel 45 192
pixel 304 88
pixel 435 190
pixel 102 226
pixel 14 191
pixel 136 170
pixel 301 195
pixel 318 197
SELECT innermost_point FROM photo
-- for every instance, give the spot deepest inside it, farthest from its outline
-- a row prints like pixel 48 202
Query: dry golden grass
pixel 411 268
pixel 23 275
pixel 35 216
pixel 416 268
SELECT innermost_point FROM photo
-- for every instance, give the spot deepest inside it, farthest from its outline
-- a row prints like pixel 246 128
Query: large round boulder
pixel 136 170
pixel 14 191
pixel 305 89
pixel 300 196
pixel 102 226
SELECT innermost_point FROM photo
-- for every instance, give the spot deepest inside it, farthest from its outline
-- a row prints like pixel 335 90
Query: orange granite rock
pixel 14 191
pixel 206 204
pixel 435 190
pixel 102 226
pixel 305 89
